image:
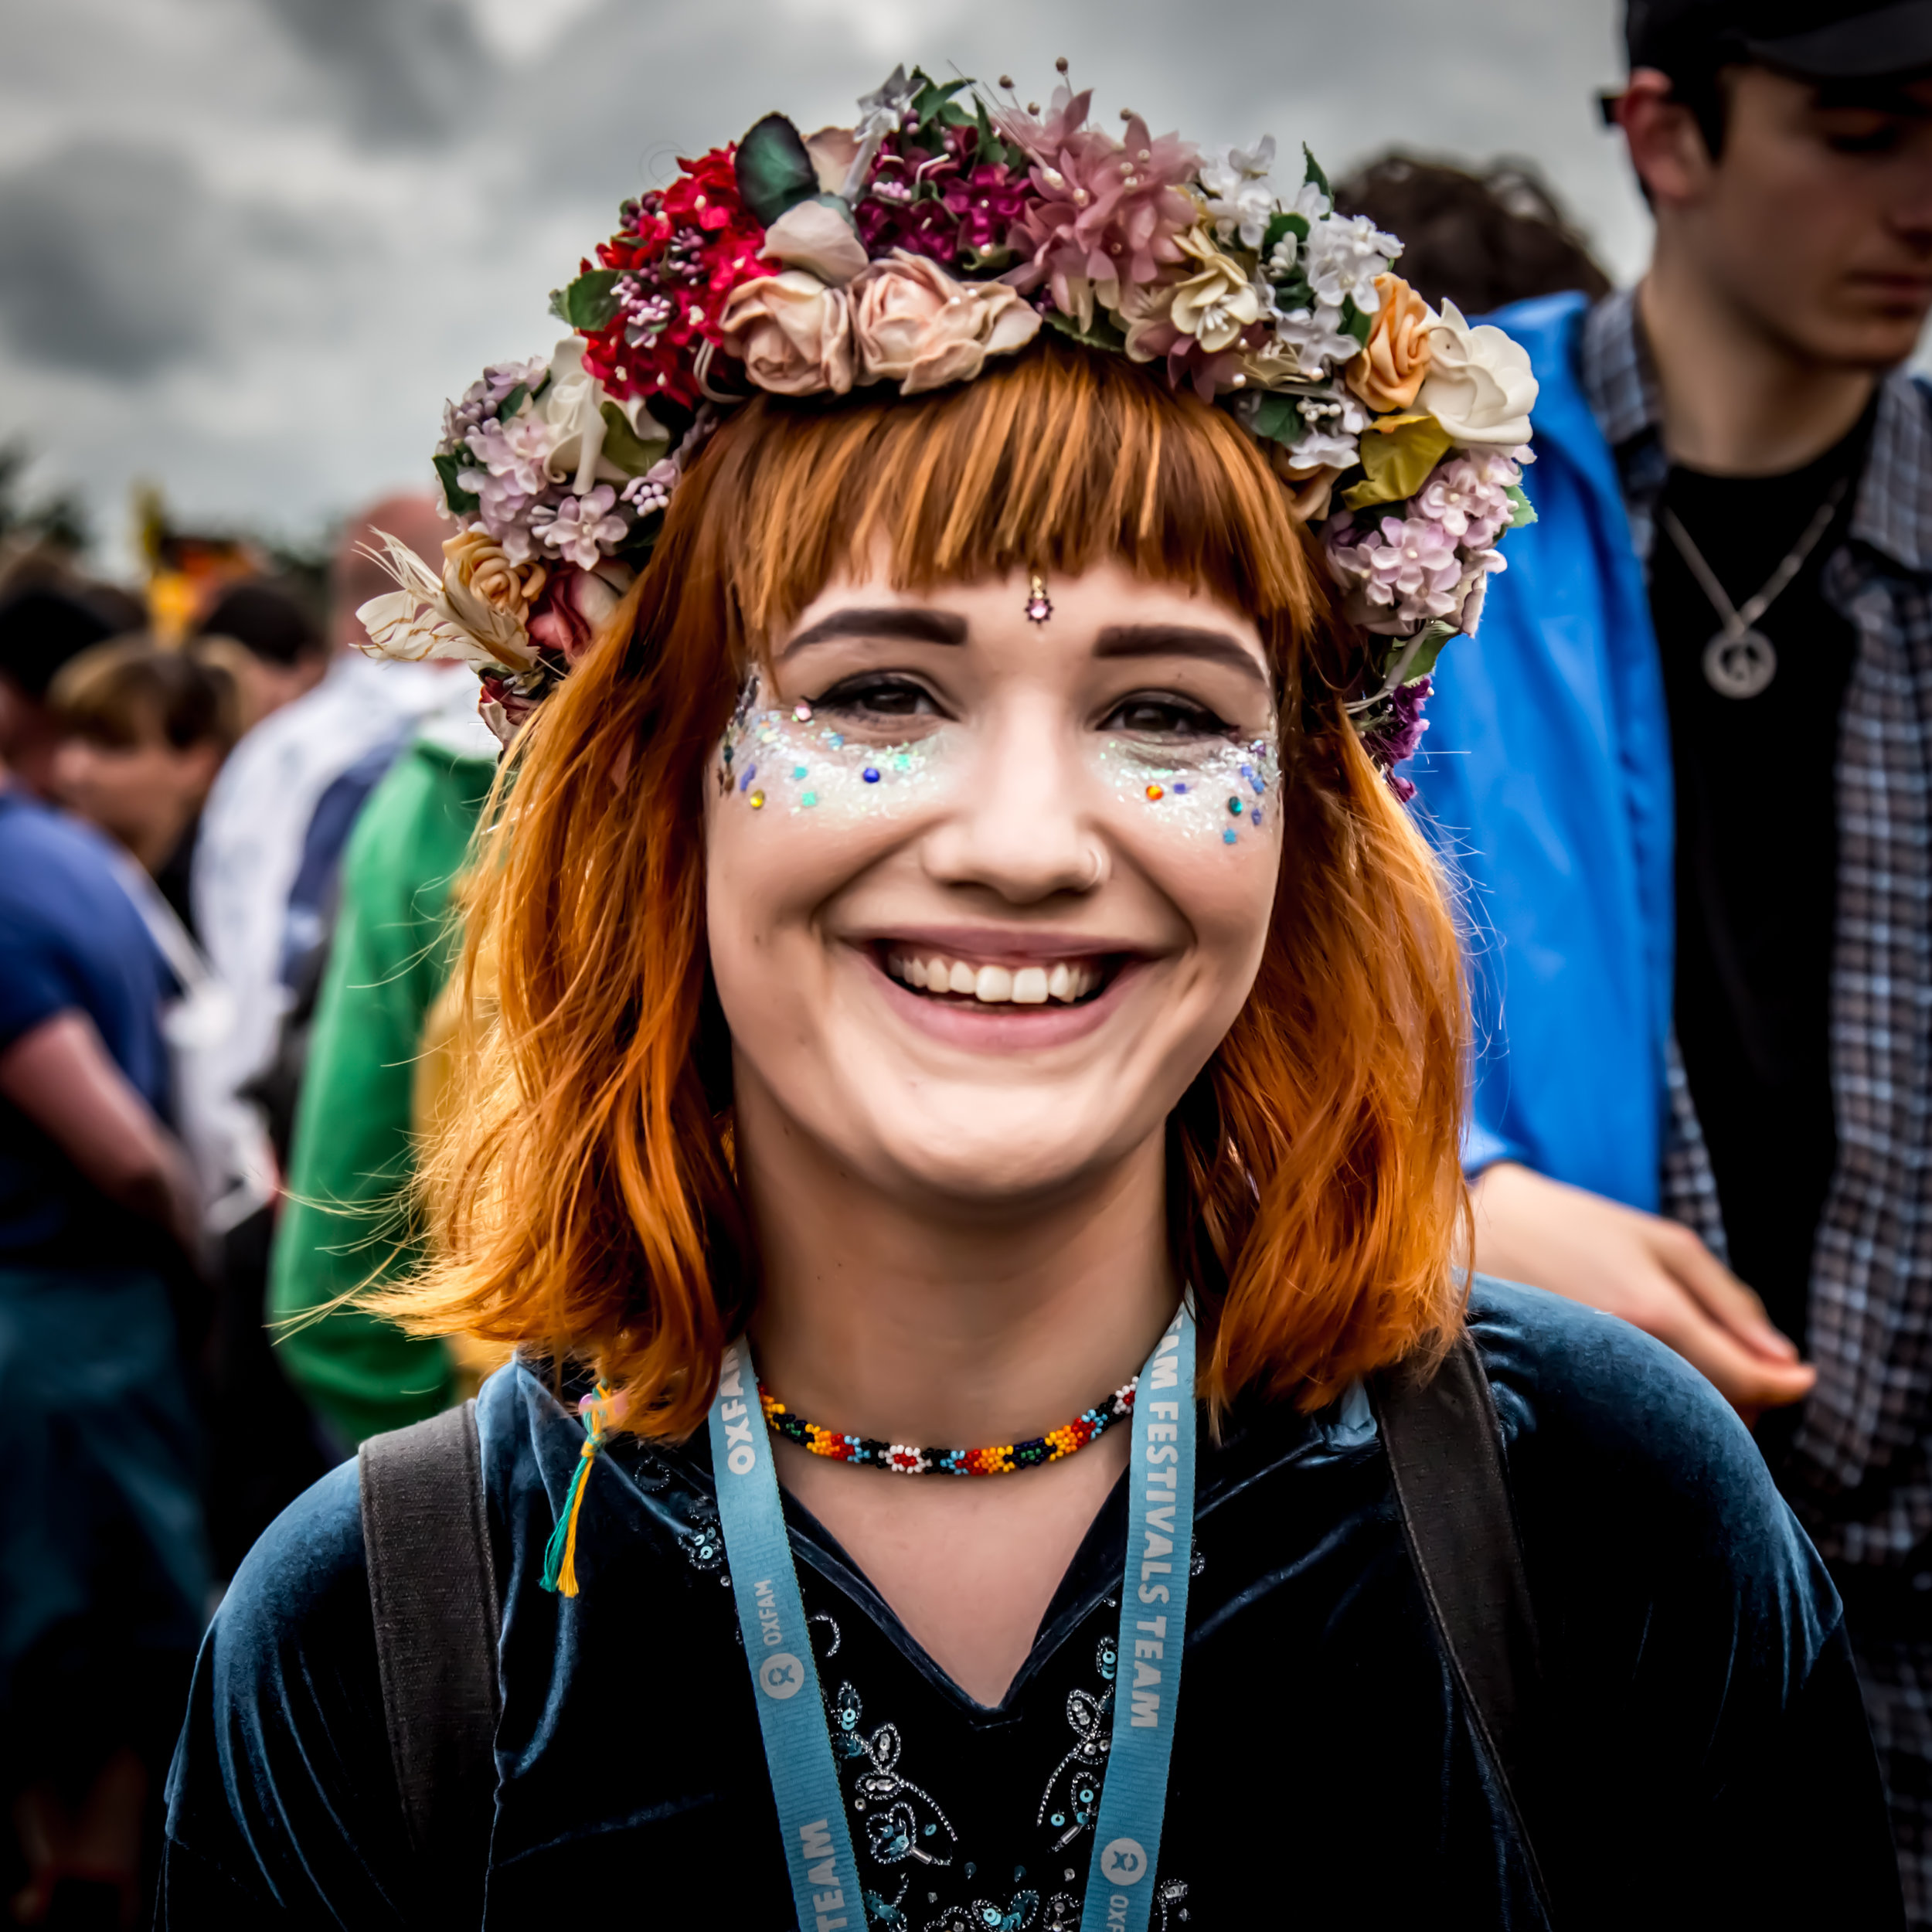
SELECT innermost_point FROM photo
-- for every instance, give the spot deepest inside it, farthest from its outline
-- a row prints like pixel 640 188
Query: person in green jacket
pixel 345 1221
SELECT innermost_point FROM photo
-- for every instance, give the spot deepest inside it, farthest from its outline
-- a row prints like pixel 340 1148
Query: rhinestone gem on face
pixel 1039 606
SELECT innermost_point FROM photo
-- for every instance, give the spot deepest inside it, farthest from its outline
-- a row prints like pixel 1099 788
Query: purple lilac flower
pixel 651 492
pixel 580 528
pixel 1414 568
pixel 1397 736
pixel 1461 496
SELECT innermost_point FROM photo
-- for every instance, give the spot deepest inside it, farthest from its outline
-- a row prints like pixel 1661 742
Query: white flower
pixel 1343 255
pixel 580 527
pixel 1240 196
pixel 1311 204
pixel 1333 424
pixel 572 408
pixel 1480 387
pixel 1317 338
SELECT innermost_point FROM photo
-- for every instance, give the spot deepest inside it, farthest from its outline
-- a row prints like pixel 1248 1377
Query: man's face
pixel 1817 218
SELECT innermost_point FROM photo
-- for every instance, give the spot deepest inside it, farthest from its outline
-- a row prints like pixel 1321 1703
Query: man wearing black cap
pixel 40 630
pixel 1688 767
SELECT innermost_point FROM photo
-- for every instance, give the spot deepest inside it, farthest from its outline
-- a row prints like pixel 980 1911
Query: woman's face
pixel 985 893
pixel 143 795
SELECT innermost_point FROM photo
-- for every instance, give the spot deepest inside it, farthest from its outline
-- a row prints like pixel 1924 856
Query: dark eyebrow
pixel 1177 640
pixel 914 626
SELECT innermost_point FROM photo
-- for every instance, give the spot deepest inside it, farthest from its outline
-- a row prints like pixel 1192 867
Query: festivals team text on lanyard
pixel 792 1711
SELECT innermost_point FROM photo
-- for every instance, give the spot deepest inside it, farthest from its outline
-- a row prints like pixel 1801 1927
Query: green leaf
pixel 1314 173
pixel 774 171
pixel 1277 419
pixel 1525 511
pixel 1428 647
pixel 588 304
pixel 512 402
pixel 624 446
pixel 1281 224
pixel 460 500
pixel 1396 460
pixel 1105 334
pixel 1354 322
pixel 1294 293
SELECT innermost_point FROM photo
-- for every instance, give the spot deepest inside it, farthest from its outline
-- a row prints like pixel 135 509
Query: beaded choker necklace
pixel 903 1460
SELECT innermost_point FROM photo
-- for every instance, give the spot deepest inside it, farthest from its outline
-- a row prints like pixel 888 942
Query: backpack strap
pixel 1443 1441
pixel 432 1588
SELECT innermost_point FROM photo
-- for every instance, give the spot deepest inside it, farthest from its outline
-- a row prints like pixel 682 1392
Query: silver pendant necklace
pixel 1739 661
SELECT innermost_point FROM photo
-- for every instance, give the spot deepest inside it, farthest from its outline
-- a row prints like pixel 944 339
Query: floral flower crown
pixel 945 228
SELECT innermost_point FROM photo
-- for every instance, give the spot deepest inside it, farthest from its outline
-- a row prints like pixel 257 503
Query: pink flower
pixel 580 527
pixel 1107 214
pixel 1466 502
pixel 1407 573
pixel 911 322
pixel 792 333
pixel 987 203
pixel 575 606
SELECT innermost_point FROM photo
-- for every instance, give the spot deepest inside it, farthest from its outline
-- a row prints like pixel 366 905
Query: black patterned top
pixel 1710 1748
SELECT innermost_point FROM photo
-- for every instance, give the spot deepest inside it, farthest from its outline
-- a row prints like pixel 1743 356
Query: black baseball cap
pixel 1823 40
pixel 42 629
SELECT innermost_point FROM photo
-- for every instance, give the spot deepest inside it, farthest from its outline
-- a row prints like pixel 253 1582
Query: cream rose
pixel 1396 358
pixel 474 561
pixel 913 323
pixel 1479 386
pixel 792 333
pixel 818 239
pixel 1147 314
pixel 1218 301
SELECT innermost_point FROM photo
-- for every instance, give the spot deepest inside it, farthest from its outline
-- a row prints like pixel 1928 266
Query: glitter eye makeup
pixel 1210 789
pixel 799 760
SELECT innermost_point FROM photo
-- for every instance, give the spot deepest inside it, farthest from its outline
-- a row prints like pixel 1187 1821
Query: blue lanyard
pixel 791 1711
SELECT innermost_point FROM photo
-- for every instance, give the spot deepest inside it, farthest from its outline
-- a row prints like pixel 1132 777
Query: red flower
pixel 680 252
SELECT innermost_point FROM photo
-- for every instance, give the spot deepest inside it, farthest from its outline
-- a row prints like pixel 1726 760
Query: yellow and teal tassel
pixel 560 1553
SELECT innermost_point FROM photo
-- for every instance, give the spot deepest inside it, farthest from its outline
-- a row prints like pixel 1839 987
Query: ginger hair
pixel 581 1199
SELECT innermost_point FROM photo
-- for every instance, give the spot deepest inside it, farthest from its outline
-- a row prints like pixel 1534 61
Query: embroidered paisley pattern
pixel 896 1819
pixel 1071 1801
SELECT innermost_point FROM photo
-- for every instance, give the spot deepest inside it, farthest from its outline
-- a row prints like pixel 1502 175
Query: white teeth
pixel 995 985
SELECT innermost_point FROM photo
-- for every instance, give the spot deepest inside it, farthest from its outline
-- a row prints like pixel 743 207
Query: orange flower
pixel 1396 357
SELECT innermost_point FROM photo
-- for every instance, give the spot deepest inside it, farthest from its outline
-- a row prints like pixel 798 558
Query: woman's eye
pixel 1154 717
pixel 879 698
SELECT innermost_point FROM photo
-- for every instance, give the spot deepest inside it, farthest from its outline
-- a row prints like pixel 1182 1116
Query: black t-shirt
pixel 1757 855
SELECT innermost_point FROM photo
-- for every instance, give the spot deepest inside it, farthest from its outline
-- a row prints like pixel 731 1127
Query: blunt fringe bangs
pixel 579 1193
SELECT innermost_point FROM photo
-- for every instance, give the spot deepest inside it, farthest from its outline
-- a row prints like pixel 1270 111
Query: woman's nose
pixel 1021 825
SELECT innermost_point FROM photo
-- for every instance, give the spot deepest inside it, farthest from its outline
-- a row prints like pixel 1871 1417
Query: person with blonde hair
pixel 963 1137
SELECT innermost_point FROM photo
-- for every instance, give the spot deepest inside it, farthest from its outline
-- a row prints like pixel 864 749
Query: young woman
pixel 953 949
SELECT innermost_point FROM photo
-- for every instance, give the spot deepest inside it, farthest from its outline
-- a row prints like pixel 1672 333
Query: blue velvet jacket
pixel 1708 1762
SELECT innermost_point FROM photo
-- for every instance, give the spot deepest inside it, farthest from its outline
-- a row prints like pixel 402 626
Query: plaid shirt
pixel 1863 1470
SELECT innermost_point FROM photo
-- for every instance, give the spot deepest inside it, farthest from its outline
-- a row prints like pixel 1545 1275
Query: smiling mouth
pixel 964 982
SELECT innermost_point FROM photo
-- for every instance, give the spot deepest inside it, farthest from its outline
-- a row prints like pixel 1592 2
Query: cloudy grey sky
pixel 246 246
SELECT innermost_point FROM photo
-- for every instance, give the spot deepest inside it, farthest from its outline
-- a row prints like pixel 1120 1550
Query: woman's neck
pixel 946 1324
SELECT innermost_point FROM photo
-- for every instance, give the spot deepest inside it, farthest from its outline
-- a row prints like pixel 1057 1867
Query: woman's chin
pixel 1023 1150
